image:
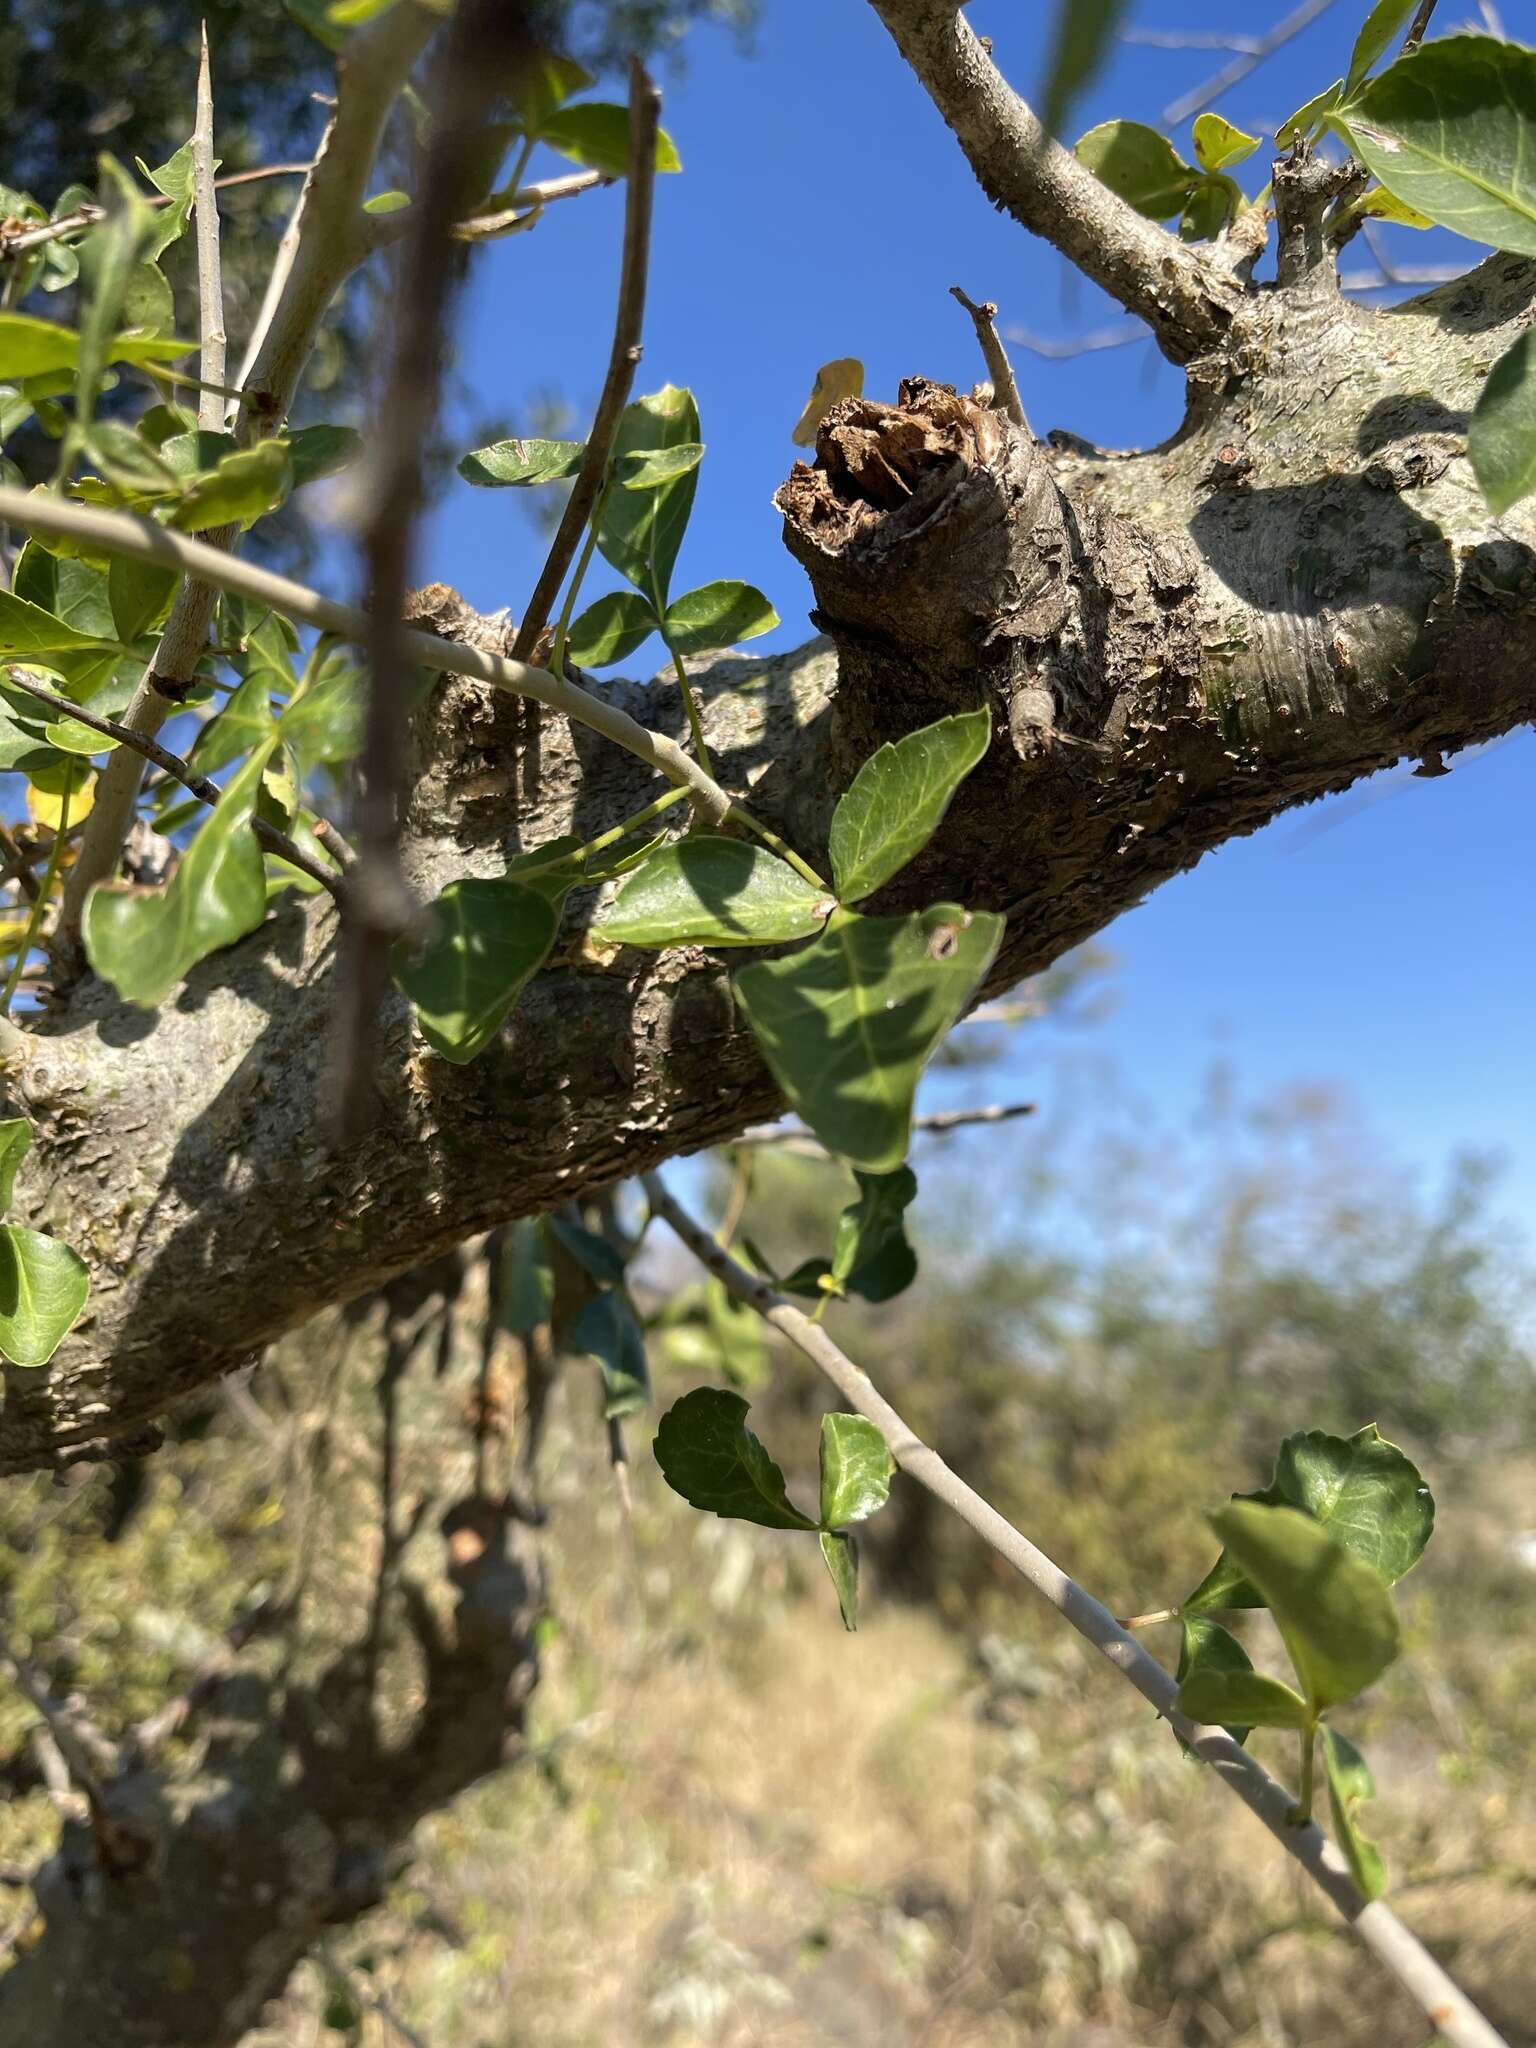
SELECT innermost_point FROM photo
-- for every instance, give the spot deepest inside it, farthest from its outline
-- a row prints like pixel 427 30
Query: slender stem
pixel 40 902
pixel 1418 27
pixel 644 118
pixel 1151 1620
pixel 210 285
pixel 690 705
pixel 634 823
pixel 1376 1924
pixel 573 590
pixel 740 815
pixel 1303 1812
pixel 1005 388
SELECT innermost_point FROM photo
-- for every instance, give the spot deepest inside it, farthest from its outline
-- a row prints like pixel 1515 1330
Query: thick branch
pixel 1186 302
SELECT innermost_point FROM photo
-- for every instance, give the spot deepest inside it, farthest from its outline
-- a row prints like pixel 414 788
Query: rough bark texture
pixel 1302 587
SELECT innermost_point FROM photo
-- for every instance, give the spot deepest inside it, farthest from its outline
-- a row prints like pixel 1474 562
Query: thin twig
pixel 274 840
pixel 1005 390
pixel 522 208
pixel 486 41
pixel 210 278
pixel 937 1121
pixel 629 318
pixel 282 266
pixel 19 241
pixel 1419 26
pixel 1378 1926
pixel 1284 30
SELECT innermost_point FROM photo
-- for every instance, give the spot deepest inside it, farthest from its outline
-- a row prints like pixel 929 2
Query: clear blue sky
pixel 1382 940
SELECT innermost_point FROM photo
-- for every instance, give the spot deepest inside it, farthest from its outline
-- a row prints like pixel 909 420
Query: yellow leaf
pixel 835 381
pixel 46 806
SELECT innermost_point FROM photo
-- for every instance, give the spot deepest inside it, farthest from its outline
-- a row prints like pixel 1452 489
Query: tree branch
pixel 1436 1994
pixel 1184 299
pixel 210 283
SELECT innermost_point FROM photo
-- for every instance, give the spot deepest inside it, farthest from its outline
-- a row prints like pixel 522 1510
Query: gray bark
pixel 1301 587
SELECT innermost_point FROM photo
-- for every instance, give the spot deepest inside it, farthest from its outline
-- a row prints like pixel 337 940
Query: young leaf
pixel 324 725
pixel 242 487
pixel 610 629
pixel 1333 1609
pixel 718 615
pixel 1349 1784
pixel 1212 203
pixel 15 1143
pixel 871 1256
pixel 709 1456
pixel 1205 1647
pixel 543 81
pixel 1084 37
pixel 30 347
pixel 1139 164
pixel 848 1023
pixel 856 1469
pixel 176 178
pixel 894 804
pixel 1309 116
pixel 841 1556
pixel 1447 130
pixel 597 134
pixel 646 469
pixel 246 721
pixel 608 1330
pixel 641 531
pixel 108 259
pixel 522 462
pixel 1377 36
pixel 712 892
pixel 490 937
pixel 43 1288
pixel 145 940
pixel 1502 437
pixel 1245 1698
pixel 1218 145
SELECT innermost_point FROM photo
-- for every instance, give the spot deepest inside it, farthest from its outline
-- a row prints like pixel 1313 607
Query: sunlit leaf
pixel 1502 437
pixel 841 378
pixel 1380 31
pixel 1350 1784
pixel 1309 116
pixel 43 1288
pixel 1245 1699
pixel 871 1256
pixel 610 629
pixel 15 1144
pixel 718 615
pixel 895 803
pixel 1218 145
pixel 1140 164
pixel 647 468
pixel 596 133
pixel 489 938
pixel 245 721
pixel 856 1470
pixel 709 891
pixel 321 450
pixel 841 1556
pixel 1205 1647
pixel 709 1456
pixel 30 347
pixel 543 82
pixel 640 532
pixel 522 462
pixel 243 487
pixel 324 724
pixel 28 633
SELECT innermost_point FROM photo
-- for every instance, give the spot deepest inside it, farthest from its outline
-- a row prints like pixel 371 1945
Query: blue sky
pixel 1383 940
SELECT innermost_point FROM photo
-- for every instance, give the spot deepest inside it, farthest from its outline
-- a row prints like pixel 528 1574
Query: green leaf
pixel 176 178
pixel 43 1288
pixel 1205 1647
pixel 546 80
pixel 246 721
pixel 108 259
pixel 608 1330
pixel 709 1456
pixel 527 1291
pixel 737 1332
pixel 490 938
pixel 1218 145
pixel 522 462
pixel 30 347
pixel 647 469
pixel 75 592
pixel 1211 206
pixel 1139 164
pixel 709 891
pixel 318 451
pixel 1447 130
pixel 241 488
pixel 1361 1488
pixel 1333 1609
pixel 871 1256
pixel 895 802
pixel 597 1258
pixel 145 940
pixel 324 724
pixel 1380 204
pixel 138 594
pixel 1377 36
pixel 1350 1784
pixel 28 633
pixel 841 1555
pixel 1085 34
pixel 848 1023
pixel 640 532
pixel 718 615
pixel 387 202
pixel 597 134
pixel 1502 437
pixel 1246 1699
pixel 15 1143
pixel 610 629
pixel 1309 116
pixel 856 1469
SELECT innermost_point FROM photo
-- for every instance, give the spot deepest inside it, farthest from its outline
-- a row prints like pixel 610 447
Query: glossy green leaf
pixel 709 1456
pixel 1380 204
pixel 43 1288
pixel 894 804
pixel 319 451
pixel 176 178
pixel 1333 1609
pixel 609 1331
pixel 1350 1784
pixel 15 1144
pixel 1309 116
pixel 1380 31
pixel 1206 1647
pixel 1245 1699
pixel 245 721
pixel 1502 437
pixel 28 633
pixel 848 1023
pixel 78 593
pixel 1447 130
pixel 109 258
pixel 522 462
pixel 1083 40
pixel 138 595
pixel 30 347
pixel 144 941
pixel 840 1554
pixel 610 629
pixel 708 891
pixel 718 615
pixel 856 1470
pixel 871 1256
pixel 1218 145
pixel 640 532
pixel 489 938
pixel 1139 164
pixel 597 134
pixel 647 469
pixel 243 487
pixel 1361 1488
